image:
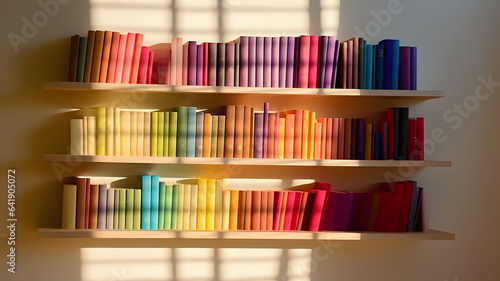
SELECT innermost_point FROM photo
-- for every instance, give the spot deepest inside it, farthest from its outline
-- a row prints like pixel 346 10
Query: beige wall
pixel 457 48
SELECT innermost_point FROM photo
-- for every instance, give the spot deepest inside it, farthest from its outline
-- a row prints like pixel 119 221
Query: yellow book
pixel 226 206
pixel 160 133
pixel 187 207
pixel 154 134
pixel 214 136
pixel 117 133
pixel 219 187
pixel 202 205
pixel 121 207
pixel 69 206
pixel 101 130
pixel 110 125
pixel 368 141
pixel 305 134
pixel 194 207
pixel 147 134
pixel 137 208
pixel 210 215
pixel 281 138
pixel 233 210
pixel 129 209
pixel 85 140
pixel 133 133
pixel 312 121
pixel 166 129
pixel 180 207
pixel 91 124
pixel 139 151
pixel 125 133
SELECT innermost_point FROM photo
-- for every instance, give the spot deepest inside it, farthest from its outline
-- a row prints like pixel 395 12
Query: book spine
pixel 129 208
pixel 106 51
pixel 229 65
pixel 89 55
pixel 221 57
pixel 244 61
pixel 268 51
pixel 69 205
pixel 73 58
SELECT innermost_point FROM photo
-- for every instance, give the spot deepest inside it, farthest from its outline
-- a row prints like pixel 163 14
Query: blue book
pixel 155 201
pixel 380 67
pixel 395 65
pixel 374 66
pixel 191 132
pixel 145 202
pixel 377 147
pixel 369 67
pixel 387 74
pixel 413 207
pixel 365 62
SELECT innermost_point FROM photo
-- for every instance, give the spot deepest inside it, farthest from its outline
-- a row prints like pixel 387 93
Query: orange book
pixel 256 209
pixel 341 132
pixel 233 210
pixel 113 57
pixel 248 209
pixel 89 55
pixel 283 209
pixel 252 125
pixel 305 134
pixel 207 130
pixel 136 57
pixel 312 120
pixel 270 135
pixel 127 60
pixel 97 56
pixel 94 206
pixel 335 138
pixel 289 135
pixel 323 138
pixel 368 141
pixel 221 134
pixel 263 210
pixel 297 140
pixel 328 135
pixel 242 201
pixel 270 210
pixel 347 138
pixel 247 131
pixel 230 112
pixel 106 51
pixel 238 131
pixel 317 140
pixel 281 138
pixel 302 211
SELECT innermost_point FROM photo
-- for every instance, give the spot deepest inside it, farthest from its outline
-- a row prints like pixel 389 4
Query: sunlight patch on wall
pixel 330 15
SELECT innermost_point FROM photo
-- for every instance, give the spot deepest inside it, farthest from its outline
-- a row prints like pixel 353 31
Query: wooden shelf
pixel 406 94
pixel 242 235
pixel 245 161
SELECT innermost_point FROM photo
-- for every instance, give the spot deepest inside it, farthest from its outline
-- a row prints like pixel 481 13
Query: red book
pixel 150 68
pixel 271 134
pixel 247 132
pixel 161 66
pixel 270 210
pixel 278 201
pixel 212 64
pixel 335 138
pixel 87 203
pixel 73 57
pixel 405 205
pixel 113 57
pixel 81 194
pixel 350 65
pixel 390 206
pixel 263 210
pixel 238 131
pixel 230 112
pixel 302 212
pixel 248 209
pixel 229 64
pixel 355 58
pixel 97 56
pixel 297 204
pixel 256 208
pixel 317 208
pixel 205 64
pixel 303 61
pixel 120 58
pixel 327 188
pixel 289 135
pixel 412 139
pixel 343 66
pixel 420 139
pixel 341 133
pixel 94 206
pixel 313 62
pixel 106 51
pixel 329 139
pixel 136 58
pixel 387 117
pixel 127 62
pixel 142 76
pixel 289 210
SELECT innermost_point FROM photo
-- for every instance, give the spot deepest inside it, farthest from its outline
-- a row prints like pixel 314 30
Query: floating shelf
pixel 242 235
pixel 245 161
pixel 406 94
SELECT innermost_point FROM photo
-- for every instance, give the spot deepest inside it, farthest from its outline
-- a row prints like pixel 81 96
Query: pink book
pixel 312 81
pixel 265 130
pixel 252 45
pixel 185 66
pixel 303 61
pixel 120 58
pixel 150 67
pixel 329 139
pixel 283 41
pixel 229 64
pixel 142 74
pixel 136 58
pixel 327 188
pixel 341 130
pixel 355 58
pixel 205 64
pixel 212 64
pixel 127 62
pixel 199 64
pixel 268 51
pixel 317 208
pixel 275 62
pixel 335 138
pixel 259 62
pixel 160 73
pixel 343 67
pixel 113 56
pixel 270 210
pixel 289 210
pixel 179 63
pixel 350 64
pixel 173 62
pixel 192 62
pixel 296 210
pixel 244 61
pixel 278 200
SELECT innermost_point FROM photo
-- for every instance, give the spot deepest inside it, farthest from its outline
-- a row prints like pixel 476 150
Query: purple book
pixel 413 68
pixel 265 130
pixel 335 62
pixel 275 58
pixel 350 58
pixel 329 60
pixel 282 61
pixel 192 62
pixel 229 81
pixel 322 61
pixel 259 62
pixel 101 213
pixel 258 134
pixel 404 68
pixel 199 65
pixel 243 61
pixel 268 52
pixel 344 211
pixel 251 60
pixel 212 64
pixel 362 208
pixel 290 63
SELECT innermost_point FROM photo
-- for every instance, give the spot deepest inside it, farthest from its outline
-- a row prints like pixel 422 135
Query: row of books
pixel 207 204
pixel 242 132
pixel 305 61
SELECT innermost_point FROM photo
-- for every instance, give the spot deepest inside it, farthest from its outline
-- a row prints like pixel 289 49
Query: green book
pixel 121 209
pixel 129 209
pixel 180 206
pixel 154 134
pixel 82 52
pixel 161 207
pixel 101 130
pixel 116 209
pixel 166 133
pixel 172 135
pixel 182 131
pixel 168 207
pixel 175 194
pixel 161 127
pixel 137 208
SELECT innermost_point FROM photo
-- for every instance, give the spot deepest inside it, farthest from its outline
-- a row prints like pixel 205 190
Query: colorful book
pixel 89 55
pixel 129 208
pixel 69 205
pixel 146 190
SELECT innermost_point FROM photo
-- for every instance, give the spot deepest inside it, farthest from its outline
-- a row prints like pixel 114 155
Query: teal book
pixel 175 196
pixel 172 135
pixel 129 209
pixel 168 207
pixel 137 208
pixel 191 132
pixel 182 122
pixel 82 52
pixel 161 207
pixel 155 201
pixel 166 133
pixel 146 202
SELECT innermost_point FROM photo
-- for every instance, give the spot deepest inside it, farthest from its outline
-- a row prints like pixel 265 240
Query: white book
pixel 85 135
pixel 194 207
pixel 117 133
pixel 133 133
pixel 110 124
pixel 147 134
pixel 125 133
pixel 140 134
pixel 187 207
pixel 91 123
pixel 110 209
pixel 76 137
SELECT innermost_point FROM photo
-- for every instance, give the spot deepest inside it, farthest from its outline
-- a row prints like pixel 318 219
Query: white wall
pixel 457 47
